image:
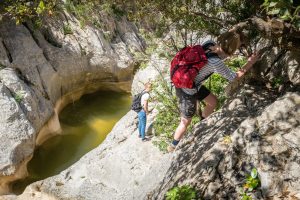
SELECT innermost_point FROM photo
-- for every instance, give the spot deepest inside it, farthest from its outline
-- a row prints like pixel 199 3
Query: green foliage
pixel 18 96
pixel 2 66
pixel 236 62
pixel 82 10
pixel 37 23
pixel 284 9
pixel 118 12
pixel 142 58
pixel 252 181
pixel 216 83
pixel 185 192
pixel 277 81
pixel 22 10
pixel 168 116
pixel 245 196
pixel 162 145
pixel 67 29
pixel 240 9
pixel 40 8
pixel 85 10
pixel 167 119
pixel 186 16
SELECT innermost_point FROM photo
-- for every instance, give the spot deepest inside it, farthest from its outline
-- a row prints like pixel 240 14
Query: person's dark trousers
pixel 142 123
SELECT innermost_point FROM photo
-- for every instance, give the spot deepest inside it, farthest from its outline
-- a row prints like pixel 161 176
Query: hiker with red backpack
pixel 190 68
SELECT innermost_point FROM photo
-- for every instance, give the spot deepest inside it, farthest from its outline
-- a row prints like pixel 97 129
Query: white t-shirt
pixel 144 98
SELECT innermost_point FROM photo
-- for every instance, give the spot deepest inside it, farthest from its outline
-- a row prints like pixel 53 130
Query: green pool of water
pixel 85 124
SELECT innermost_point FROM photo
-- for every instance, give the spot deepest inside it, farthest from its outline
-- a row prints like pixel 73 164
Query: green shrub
pixel 22 10
pixel 185 192
pixel 284 9
pixel 216 83
pixel 67 29
pixel 161 144
pixel 142 58
pixel 167 119
pixel 277 81
pixel 19 96
pixel 37 23
pixel 118 12
pixel 168 115
pixel 84 11
pixel 252 181
pixel 245 196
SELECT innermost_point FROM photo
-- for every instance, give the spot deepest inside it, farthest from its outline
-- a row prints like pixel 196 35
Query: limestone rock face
pixel 263 134
pixel 156 68
pixel 122 167
pixel 30 101
pixel 17 135
pixel 40 67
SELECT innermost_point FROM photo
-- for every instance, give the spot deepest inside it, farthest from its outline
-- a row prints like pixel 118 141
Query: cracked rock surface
pixel 264 134
pixel 40 67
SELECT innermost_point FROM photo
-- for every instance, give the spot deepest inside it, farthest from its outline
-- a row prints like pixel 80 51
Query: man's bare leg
pixel 211 102
pixel 179 133
pixel 184 123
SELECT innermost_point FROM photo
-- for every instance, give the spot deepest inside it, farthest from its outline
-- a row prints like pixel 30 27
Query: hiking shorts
pixel 188 103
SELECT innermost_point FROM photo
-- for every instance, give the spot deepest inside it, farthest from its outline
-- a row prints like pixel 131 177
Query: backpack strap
pixel 144 92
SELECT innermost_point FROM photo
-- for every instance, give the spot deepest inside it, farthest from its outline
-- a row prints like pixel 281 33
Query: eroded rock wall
pixel 42 70
pixel 263 135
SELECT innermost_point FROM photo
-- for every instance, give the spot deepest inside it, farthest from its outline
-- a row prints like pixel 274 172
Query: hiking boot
pixel 171 148
pixel 145 139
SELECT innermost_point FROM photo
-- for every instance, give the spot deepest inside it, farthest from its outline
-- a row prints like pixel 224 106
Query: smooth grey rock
pixel 30 101
pixel 4 57
pixel 122 167
pixel 156 68
pixel 17 136
pixel 291 63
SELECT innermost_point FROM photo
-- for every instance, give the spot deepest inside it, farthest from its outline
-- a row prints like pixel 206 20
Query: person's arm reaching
pixel 220 68
pixel 251 60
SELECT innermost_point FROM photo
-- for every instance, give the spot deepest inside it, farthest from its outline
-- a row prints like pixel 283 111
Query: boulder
pixel 263 135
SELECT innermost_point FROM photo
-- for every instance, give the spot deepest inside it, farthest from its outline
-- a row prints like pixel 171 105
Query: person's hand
pixel 253 58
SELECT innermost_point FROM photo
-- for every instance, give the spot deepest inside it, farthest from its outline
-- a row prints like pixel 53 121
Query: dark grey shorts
pixel 188 103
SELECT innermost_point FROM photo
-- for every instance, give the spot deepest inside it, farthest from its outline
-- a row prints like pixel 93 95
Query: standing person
pixel 189 97
pixel 142 115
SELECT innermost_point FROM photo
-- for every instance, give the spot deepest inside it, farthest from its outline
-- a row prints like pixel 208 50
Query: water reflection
pixel 85 124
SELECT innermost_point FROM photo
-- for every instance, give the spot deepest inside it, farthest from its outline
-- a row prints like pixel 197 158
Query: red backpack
pixel 186 65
